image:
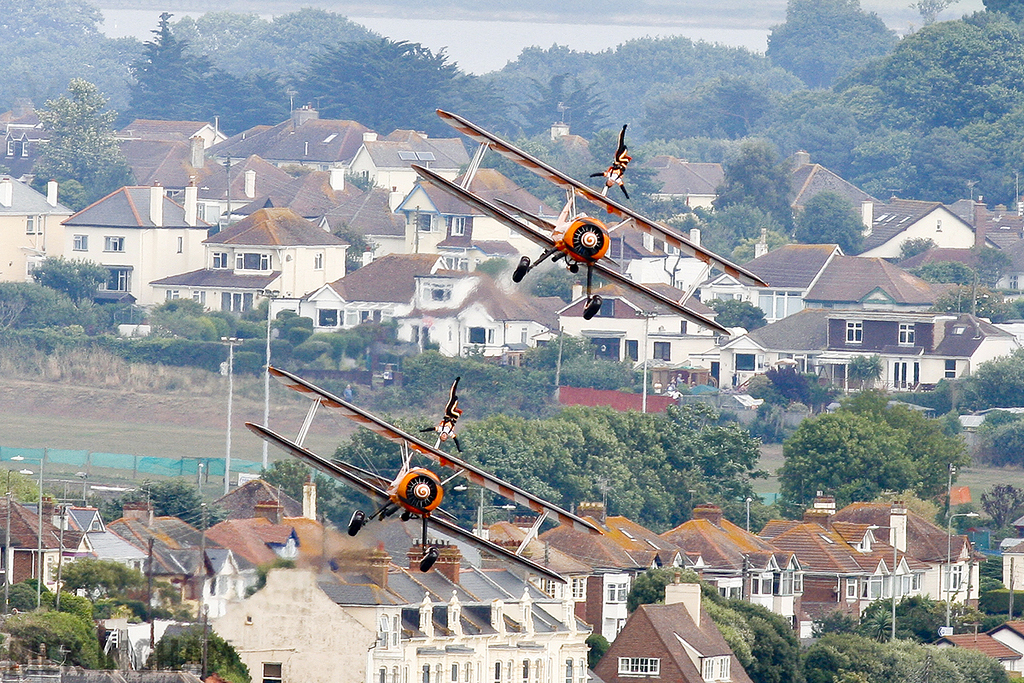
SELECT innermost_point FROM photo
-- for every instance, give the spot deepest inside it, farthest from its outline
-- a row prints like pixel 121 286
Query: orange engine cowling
pixel 586 239
pixel 419 491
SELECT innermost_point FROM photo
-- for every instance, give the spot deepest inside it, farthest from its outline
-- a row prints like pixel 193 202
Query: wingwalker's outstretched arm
pixel 613 175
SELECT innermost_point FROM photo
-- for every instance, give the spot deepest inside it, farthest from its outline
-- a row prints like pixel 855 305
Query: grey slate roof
pixel 679 177
pixel 221 278
pixel 128 207
pixel 897 215
pixel 315 140
pixel 393 151
pixel 849 279
pixel 368 213
pixel 391 278
pixel 805 330
pixel 25 200
pixel 793 266
pixel 811 179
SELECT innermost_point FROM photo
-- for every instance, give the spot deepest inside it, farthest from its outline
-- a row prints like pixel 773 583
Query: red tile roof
pixel 275 227
pixel 983 643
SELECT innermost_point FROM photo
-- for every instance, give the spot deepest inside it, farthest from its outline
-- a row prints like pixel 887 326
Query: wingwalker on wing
pixel 415 491
pixel 578 238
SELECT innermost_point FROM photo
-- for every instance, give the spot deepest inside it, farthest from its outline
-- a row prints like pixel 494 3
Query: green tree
pixel 101 578
pixel 27 305
pixel 951 272
pixel 174 498
pixel 1014 8
pixel 56 629
pixel 186 647
pixel 597 645
pixel 649 588
pixel 930 9
pixel 383 84
pixel 732 227
pixel 564 98
pixel 1003 503
pixel 825 39
pixel 865 369
pixel 976 300
pixel 169 83
pixel 736 313
pixel 81 143
pixel 829 218
pixel 997 383
pixel 917 245
pixel 78 279
pixel 758 177
pixel 724 106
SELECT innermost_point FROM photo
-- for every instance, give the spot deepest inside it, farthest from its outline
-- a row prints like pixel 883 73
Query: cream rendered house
pixel 900 220
pixel 29 228
pixel 273 249
pixel 139 235
pixel 387 162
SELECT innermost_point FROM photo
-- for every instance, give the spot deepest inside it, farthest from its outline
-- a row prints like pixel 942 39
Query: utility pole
pixel 149 595
pixel 206 640
pixel 60 557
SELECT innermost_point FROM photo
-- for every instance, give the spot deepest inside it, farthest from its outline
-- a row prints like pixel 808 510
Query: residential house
pixel 387 162
pixel 379 291
pixel 104 544
pixel 790 271
pixel 303 140
pixel 857 282
pixel 845 566
pixel 273 249
pixel 807 180
pixel 511 535
pixel 29 228
pixel 29 535
pixel 468 313
pixel 438 223
pixel 950 558
pixel 1013 565
pixel 241 502
pixel 1011 659
pixel 384 623
pixel 894 222
pixel 1010 634
pixel 22 134
pixel 676 641
pixel 371 215
pixel 139 235
pixel 630 327
pixel 739 563
pixel 695 183
pixel 917 349
pixel 1012 278
pixel 312 195
pixel 614 562
pixel 997 226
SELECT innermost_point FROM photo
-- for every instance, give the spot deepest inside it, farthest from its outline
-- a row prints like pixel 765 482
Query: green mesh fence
pixel 137 465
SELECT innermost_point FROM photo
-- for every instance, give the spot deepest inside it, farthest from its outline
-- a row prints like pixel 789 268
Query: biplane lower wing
pixel 502 216
pixel 473 473
pixel 531 163
pixel 333 469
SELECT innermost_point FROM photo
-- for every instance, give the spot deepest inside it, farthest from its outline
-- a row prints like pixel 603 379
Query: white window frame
pixel 80 243
pixel 640 666
pixel 113 243
pixel 907 334
pixel 457 225
pixel 854 331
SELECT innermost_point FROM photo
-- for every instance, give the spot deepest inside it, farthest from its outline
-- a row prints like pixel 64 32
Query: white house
pixel 899 220
pixel 387 162
pixel 140 236
pixel 30 228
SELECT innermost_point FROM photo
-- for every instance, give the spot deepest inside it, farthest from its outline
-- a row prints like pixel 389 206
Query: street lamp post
pixel 949 558
pixel 748 501
pixel 231 341
pixel 270 294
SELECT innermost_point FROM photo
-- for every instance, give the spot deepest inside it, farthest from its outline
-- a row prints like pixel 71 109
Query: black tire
pixel 429 559
pixel 521 270
pixel 406 515
pixel 356 523
pixel 592 308
pixel 574 267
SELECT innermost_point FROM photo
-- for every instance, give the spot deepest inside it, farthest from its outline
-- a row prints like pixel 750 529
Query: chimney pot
pixel 710 512
pixel 51 193
pixel 592 509
pixel 6 191
pixel 156 204
pixel 191 202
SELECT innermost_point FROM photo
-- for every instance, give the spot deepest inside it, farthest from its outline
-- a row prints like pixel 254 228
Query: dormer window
pixel 457 226
pixel 252 261
pixel 716 668
pixel 440 292
pixel 854 332
pixel 906 334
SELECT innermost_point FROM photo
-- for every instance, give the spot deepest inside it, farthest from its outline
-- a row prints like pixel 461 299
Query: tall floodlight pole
pixel 231 341
pixel 269 294
pixel 949 559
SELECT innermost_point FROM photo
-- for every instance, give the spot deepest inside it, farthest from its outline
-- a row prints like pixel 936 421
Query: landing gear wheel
pixel 406 516
pixel 429 559
pixel 574 268
pixel 592 308
pixel 356 523
pixel 521 270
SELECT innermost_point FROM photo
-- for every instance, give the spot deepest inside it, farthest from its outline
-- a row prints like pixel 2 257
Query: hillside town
pixel 764 427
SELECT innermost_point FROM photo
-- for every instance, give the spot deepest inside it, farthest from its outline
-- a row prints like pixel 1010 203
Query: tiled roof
pixel 849 279
pixel 368 214
pixel 895 216
pixel 600 552
pixel 925 540
pixel 161 130
pixel 128 207
pixel 793 266
pixel 167 162
pixel 391 278
pixel 723 546
pixel 25 529
pixel 25 201
pixel 805 330
pixel 251 538
pixel 309 195
pixel 491 185
pixel 940 255
pixel 552 558
pixel 1001 227
pixel 964 334
pixel 820 550
pixel 213 180
pixel 315 141
pixel 983 643
pixel 500 304
pixel 175 543
pixel 393 151
pixel 275 227
pixel 810 179
pixel 680 177
pixel 223 278
pixel 241 502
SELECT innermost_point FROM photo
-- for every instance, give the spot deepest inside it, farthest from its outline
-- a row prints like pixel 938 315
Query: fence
pixel 136 464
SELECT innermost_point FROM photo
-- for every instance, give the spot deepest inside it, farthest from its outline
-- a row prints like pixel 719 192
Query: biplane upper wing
pixel 334 469
pixel 502 216
pixel 532 163
pixel 392 433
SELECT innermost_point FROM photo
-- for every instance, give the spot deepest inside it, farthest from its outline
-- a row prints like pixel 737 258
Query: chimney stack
pixel 337 179
pixel 303 114
pixel 448 563
pixel 138 512
pixel 559 130
pixel 379 563
pixel 867 216
pixel 6 191
pixel 197 152
pixel 592 509
pixel 309 499
pixel 821 510
pixel 191 201
pixel 156 204
pixel 250 183
pixel 980 224
pixel 898 525
pixel 695 236
pixel 270 510
pixel 686 593
pixel 761 246
pixel 801 158
pixel 51 193
pixel 710 512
